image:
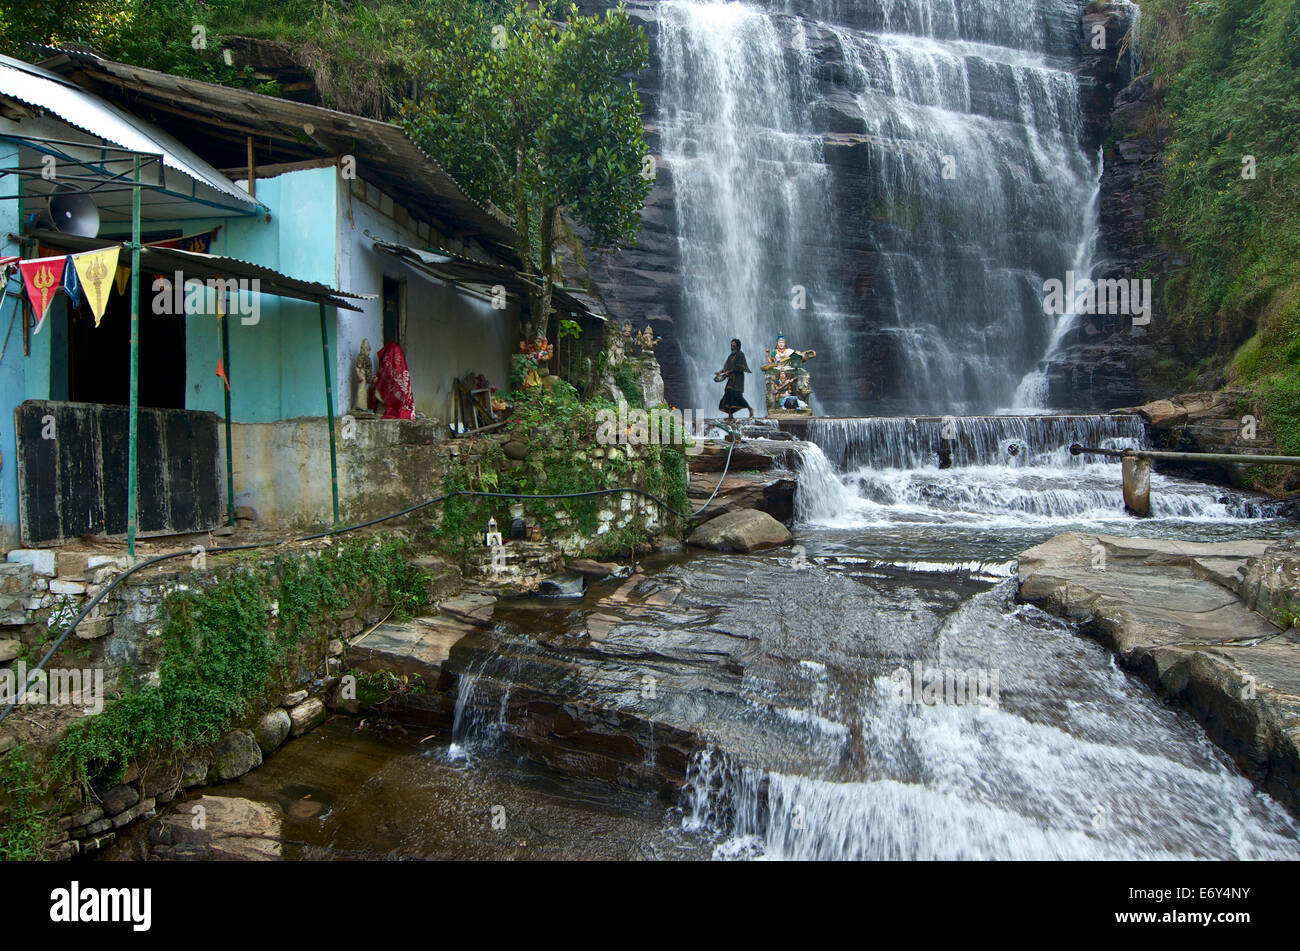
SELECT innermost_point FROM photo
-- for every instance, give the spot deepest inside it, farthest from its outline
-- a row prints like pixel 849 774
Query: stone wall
pixel 121 641
pixel 282 470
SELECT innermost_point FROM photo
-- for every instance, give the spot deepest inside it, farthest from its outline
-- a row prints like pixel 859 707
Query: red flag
pixel 43 276
pixel 221 370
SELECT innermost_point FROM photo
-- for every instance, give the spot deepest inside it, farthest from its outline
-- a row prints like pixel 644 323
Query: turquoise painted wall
pixel 276 369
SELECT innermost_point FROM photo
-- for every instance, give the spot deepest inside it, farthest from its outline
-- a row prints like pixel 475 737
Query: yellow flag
pixel 123 275
pixel 96 269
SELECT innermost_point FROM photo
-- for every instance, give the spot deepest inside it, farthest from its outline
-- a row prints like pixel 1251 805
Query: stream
pixel 880 693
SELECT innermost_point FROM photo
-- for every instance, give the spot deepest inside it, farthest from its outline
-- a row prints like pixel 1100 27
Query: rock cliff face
pixel 1100 364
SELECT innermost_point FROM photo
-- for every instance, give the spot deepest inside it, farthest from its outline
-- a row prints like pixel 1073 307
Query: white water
pixel 1073 761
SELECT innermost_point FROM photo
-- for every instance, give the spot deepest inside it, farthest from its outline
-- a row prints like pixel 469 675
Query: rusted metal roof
pixel 289 131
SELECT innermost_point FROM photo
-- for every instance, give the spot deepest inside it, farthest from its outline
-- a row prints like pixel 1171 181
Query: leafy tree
pixel 540 117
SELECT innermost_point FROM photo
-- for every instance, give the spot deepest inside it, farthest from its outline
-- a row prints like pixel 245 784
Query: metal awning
pixel 204 266
pixel 58 98
pixel 480 277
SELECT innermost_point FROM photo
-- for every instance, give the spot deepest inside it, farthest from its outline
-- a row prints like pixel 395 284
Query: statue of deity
pixel 362 378
pixel 789 387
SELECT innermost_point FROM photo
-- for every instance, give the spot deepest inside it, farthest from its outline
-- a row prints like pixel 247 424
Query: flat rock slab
pixel 1171 611
pixel 409 646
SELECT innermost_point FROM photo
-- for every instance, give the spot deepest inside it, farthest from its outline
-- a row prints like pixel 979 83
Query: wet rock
pixel 568 585
pixel 141 810
pixel 1171 611
pixel 119 798
pixel 88 815
pixel 194 773
pixel 307 715
pixel 236 754
pixel 744 530
pixel 228 828
pixel 293 699
pixel 596 570
pixel 272 729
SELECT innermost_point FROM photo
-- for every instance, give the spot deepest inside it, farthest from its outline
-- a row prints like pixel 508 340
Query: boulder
pixel 120 798
pixel 306 715
pixel 236 754
pixel 272 730
pixel 9 648
pixel 744 530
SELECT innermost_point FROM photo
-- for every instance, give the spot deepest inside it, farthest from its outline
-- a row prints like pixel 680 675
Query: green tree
pixel 541 117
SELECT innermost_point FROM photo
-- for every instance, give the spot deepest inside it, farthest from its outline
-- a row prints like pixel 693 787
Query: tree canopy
pixel 539 116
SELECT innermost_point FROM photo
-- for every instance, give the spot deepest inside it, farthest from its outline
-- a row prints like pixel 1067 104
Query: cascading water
pixel 753 193
pixel 957 187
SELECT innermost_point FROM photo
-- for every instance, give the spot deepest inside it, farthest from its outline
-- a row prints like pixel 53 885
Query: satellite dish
pixel 75 213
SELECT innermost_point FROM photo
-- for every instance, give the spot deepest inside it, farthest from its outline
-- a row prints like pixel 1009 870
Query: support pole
pixel 329 411
pixel 1137 486
pixel 225 360
pixel 132 512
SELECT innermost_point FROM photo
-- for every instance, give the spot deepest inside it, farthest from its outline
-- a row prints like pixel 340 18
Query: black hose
pixel 352 528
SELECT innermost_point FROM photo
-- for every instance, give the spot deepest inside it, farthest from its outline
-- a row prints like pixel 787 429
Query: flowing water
pixel 873 693
pixel 915 266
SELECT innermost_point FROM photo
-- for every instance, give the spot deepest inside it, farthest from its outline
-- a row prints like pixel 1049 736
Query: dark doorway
pixel 392 310
pixel 99 358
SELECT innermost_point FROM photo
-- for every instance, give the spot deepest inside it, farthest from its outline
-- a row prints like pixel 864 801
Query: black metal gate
pixel 72 471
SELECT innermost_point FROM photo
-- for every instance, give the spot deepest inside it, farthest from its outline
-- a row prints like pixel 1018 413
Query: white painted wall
pixel 446 331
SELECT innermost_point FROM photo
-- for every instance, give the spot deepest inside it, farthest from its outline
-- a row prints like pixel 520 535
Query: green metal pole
pixel 132 514
pixel 230 459
pixel 329 412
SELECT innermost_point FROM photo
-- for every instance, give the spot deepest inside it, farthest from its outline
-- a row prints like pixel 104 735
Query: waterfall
pixel 908 171
pixel 753 193
pixel 913 443
pixel 1005 471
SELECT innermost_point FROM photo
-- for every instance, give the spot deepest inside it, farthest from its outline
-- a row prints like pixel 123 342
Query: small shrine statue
pixel 363 379
pixel 789 388
pixel 647 340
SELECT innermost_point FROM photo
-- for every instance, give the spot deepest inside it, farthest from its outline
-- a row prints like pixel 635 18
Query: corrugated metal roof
pixel 204 266
pixel 77 107
pixel 455 269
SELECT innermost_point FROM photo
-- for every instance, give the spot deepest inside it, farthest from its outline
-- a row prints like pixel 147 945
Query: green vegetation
pixel 226 646
pixel 23 830
pixel 538 115
pixel 559 432
pixel 625 377
pixel 1229 72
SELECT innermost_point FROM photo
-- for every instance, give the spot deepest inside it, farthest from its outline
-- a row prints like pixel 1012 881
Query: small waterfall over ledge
pixel 1008 472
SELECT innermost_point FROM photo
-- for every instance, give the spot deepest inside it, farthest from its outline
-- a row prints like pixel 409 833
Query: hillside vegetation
pixel 1229 74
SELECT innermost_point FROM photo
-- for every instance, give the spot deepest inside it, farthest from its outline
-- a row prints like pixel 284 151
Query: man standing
pixel 733 371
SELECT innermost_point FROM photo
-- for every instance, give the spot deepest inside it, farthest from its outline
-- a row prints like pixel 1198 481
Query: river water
pixel 885 695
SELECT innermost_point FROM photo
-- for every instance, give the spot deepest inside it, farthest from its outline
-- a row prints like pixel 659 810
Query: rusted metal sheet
pixel 72 471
